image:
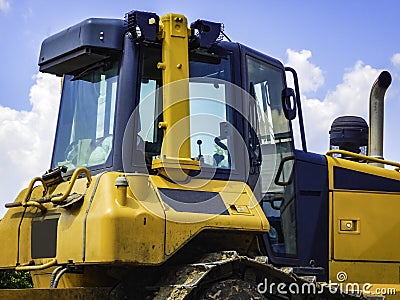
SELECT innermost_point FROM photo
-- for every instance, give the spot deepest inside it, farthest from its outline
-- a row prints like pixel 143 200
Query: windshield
pixel 209 110
pixel 86 120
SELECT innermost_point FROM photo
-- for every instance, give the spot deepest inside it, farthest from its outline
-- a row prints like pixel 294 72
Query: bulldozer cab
pixel 112 114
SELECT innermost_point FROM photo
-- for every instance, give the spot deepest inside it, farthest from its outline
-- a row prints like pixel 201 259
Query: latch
pixel 349 226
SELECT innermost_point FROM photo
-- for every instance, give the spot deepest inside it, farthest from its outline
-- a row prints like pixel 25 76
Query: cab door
pixel 292 184
pixel 265 83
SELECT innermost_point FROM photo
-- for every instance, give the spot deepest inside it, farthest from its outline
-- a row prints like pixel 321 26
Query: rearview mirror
pixel 289 103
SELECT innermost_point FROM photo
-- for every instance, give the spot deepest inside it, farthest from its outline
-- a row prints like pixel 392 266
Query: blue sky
pixel 338 48
pixel 337 32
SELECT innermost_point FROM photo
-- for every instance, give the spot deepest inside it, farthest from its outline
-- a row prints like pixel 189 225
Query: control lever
pixel 199 142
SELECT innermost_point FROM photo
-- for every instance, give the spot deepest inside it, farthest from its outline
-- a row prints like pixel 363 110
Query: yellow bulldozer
pixel 174 175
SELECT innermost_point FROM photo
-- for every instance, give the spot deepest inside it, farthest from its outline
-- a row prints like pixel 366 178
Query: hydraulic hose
pixel 56 276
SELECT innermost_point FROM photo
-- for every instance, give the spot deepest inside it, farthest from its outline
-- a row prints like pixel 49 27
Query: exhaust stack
pixel 376 115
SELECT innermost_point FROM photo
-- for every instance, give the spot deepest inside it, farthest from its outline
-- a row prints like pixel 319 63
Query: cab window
pixel 266 83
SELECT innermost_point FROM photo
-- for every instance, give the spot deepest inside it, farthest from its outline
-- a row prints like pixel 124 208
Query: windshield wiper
pixel 106 66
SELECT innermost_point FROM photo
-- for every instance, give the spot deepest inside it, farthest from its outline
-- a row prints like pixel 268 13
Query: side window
pixel 211 137
pixel 149 138
pixel 208 118
pixel 150 111
pixel 147 110
pixel 266 83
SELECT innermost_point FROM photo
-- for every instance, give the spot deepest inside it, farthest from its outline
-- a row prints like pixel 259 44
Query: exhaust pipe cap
pixel 384 79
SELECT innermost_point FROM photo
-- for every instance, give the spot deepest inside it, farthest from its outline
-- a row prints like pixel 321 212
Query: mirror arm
pixel 299 110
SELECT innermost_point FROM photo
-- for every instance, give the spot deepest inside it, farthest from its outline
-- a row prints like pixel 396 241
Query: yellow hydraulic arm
pixel 175 152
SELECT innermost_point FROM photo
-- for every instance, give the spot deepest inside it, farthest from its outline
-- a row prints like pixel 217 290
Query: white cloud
pixel 349 98
pixel 396 60
pixel 310 76
pixel 4 5
pixel 27 138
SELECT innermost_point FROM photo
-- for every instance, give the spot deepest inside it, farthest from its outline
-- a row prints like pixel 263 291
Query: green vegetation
pixel 15 280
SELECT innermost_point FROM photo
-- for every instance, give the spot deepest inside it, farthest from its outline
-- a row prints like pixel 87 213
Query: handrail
pixel 49 264
pixel 75 175
pixel 30 189
pixel 365 157
pixel 36 204
pixel 53 198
